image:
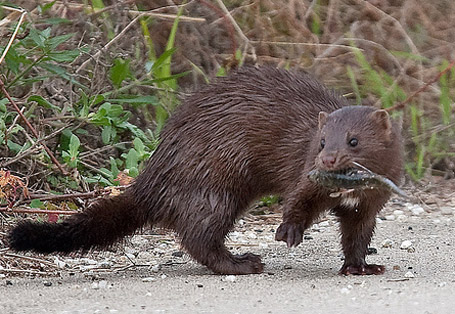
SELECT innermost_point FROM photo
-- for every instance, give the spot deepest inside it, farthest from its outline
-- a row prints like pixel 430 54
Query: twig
pixel 422 88
pixel 102 50
pixel 31 149
pixel 99 150
pixel 120 3
pixel 46 197
pixel 305 44
pixel 168 16
pixel 21 19
pixel 395 21
pixel 32 129
pixel 28 258
pixel 400 28
pixel 309 10
pixel 245 39
pixel 37 211
pixel 84 195
pixel 228 23
pixel 33 272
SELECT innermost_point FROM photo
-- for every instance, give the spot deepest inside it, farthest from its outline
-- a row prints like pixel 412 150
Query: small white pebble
pixel 148 294
pixel 387 243
pixel 442 284
pixel 102 284
pixel 130 256
pixel 59 263
pixel 155 268
pixel 447 210
pixel 95 286
pixel 409 274
pixel 148 279
pixel 405 245
pixel 263 245
pixel 163 276
pixel 345 291
pixel 398 212
pixel 390 217
pixel 417 210
pixel 230 278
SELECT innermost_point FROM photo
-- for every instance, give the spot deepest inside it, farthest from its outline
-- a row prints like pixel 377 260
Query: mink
pixel 256 132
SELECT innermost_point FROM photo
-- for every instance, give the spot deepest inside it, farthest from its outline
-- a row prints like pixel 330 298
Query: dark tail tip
pixel 98 226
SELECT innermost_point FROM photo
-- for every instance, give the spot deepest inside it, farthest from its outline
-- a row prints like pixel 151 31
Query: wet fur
pixel 250 134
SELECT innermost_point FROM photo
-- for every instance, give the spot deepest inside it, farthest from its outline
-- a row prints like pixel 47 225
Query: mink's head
pixel 359 134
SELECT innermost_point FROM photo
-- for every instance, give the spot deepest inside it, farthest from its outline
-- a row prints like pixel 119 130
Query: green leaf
pixel 36 203
pixel 354 85
pixel 114 167
pixel 3 103
pixel 133 172
pixel 37 37
pixel 221 72
pixel 119 71
pixel 60 72
pixel 57 20
pixel 409 55
pixel 165 57
pixel 53 42
pixel 64 56
pixel 131 99
pixel 139 146
pixel 14 147
pixel 107 134
pixel 42 8
pixel 132 159
pixel 75 143
pixel 97 4
pixel 162 79
pixel 42 102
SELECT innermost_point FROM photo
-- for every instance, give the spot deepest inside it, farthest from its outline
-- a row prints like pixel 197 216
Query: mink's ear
pixel 322 119
pixel 382 119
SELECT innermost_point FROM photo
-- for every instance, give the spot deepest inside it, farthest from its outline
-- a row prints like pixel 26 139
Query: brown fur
pixel 244 136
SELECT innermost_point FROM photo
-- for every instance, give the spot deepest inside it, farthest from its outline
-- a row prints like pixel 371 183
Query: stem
pixel 32 129
pixel 25 71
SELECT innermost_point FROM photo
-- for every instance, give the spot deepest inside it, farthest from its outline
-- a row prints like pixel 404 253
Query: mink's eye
pixel 353 142
pixel 322 143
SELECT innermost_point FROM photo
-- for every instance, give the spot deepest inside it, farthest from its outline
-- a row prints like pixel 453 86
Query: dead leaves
pixel 11 188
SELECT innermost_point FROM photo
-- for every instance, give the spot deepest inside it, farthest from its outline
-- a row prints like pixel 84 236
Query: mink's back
pixel 246 134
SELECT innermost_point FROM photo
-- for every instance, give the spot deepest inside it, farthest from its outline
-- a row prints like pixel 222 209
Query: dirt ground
pixel 150 274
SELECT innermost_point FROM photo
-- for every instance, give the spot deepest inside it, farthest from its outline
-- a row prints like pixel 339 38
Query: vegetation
pixel 98 80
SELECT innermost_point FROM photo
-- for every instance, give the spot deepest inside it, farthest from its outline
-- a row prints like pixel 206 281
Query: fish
pixel 353 179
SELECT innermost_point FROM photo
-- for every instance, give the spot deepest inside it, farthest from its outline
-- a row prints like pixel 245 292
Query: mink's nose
pixel 329 161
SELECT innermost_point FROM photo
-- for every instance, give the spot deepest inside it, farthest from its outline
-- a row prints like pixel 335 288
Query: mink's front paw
pixel 367 269
pixel 291 233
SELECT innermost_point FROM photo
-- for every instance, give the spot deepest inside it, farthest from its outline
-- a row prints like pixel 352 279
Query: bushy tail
pixel 99 226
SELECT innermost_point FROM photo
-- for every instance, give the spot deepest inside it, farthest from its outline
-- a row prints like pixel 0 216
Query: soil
pixel 150 274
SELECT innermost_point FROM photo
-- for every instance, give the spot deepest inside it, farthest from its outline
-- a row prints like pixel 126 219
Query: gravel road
pixel 416 245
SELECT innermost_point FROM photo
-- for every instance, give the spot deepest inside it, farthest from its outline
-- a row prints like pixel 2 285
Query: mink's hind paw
pixel 367 269
pixel 244 264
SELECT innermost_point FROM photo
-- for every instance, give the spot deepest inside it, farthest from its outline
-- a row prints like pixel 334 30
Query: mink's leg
pixel 203 234
pixel 357 226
